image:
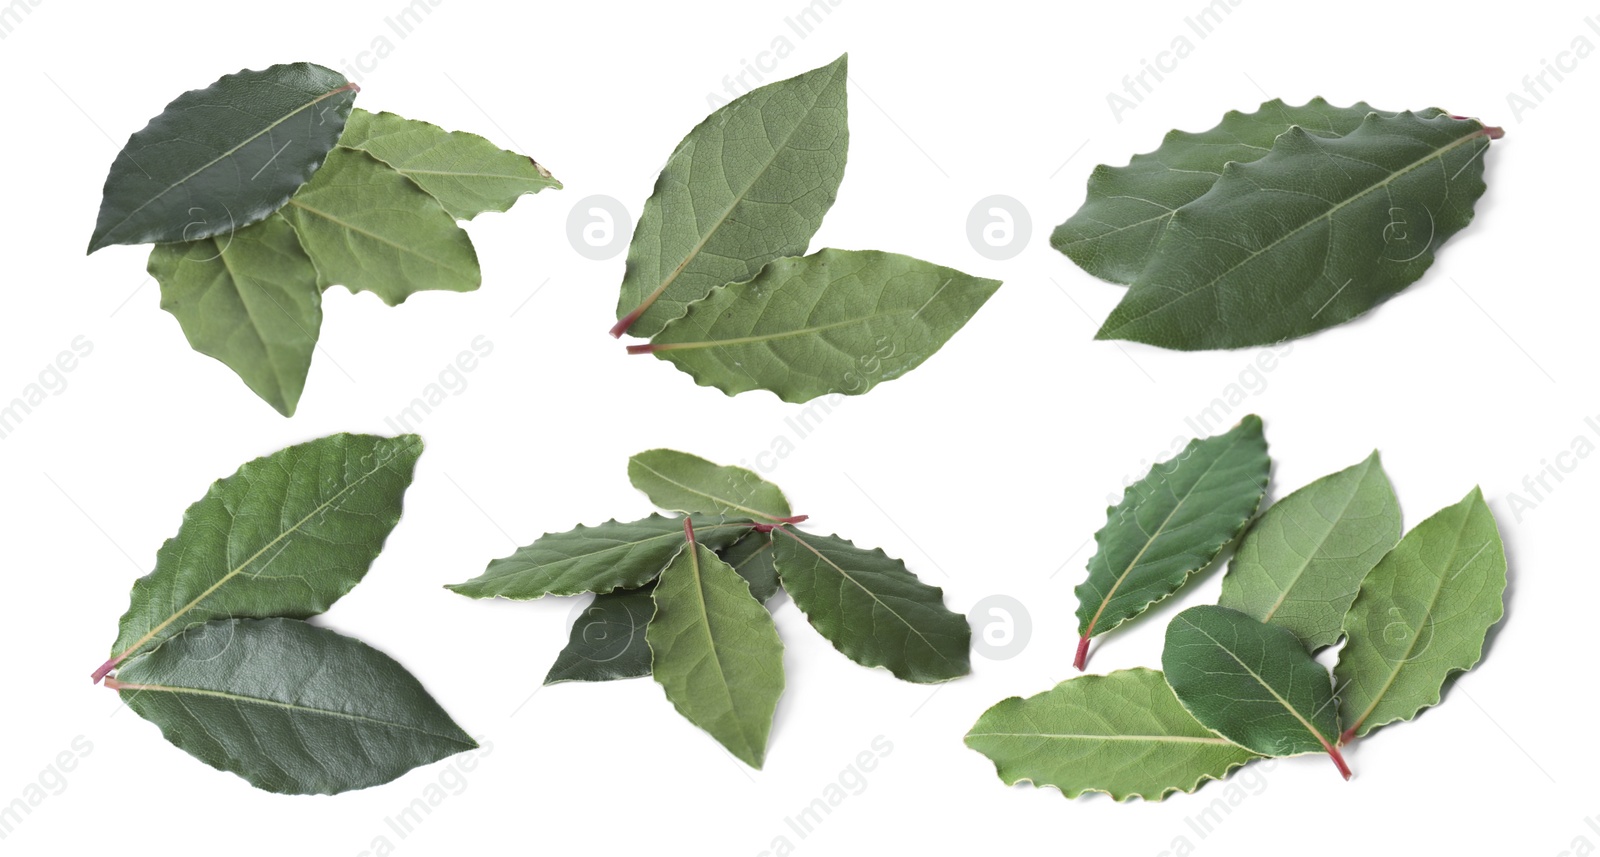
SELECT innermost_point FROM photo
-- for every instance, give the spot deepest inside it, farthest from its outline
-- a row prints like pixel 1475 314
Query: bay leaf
pixel 871 608
pixel 1252 683
pixel 369 228
pixel 1171 524
pixel 1126 209
pixel 749 184
pixel 1421 615
pixel 249 299
pixel 1124 734
pixel 679 482
pixel 751 556
pixel 467 174
pixel 290 707
pixel 608 640
pixel 613 555
pixel 1303 560
pixel 837 321
pixel 221 158
pixel 715 652
pixel 286 535
pixel 1313 234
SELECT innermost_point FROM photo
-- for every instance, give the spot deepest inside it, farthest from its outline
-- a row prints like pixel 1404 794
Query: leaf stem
pixel 688 530
pixel 105 668
pixel 1338 759
pixel 627 321
pixel 1083 653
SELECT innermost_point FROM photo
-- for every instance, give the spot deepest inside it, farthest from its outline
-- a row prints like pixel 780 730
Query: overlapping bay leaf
pixel 680 482
pixel 1171 524
pixel 748 185
pixel 467 174
pixel 837 321
pixel 614 555
pixel 369 228
pixel 1303 560
pixel 224 157
pixel 286 535
pixel 871 608
pixel 1422 614
pixel 1313 234
pixel 1252 683
pixel 290 707
pixel 1127 209
pixel 1124 734
pixel 607 641
pixel 716 652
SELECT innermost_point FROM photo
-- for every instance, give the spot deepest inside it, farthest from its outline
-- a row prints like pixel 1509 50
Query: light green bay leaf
pixel 221 158
pixel 1315 233
pixel 837 321
pixel 286 535
pixel 1252 683
pixel 679 482
pixel 716 652
pixel 369 228
pixel 613 555
pixel 1171 524
pixel 467 174
pixel 250 299
pixel 1127 209
pixel 749 184
pixel 607 642
pixel 1124 734
pixel 1303 560
pixel 1422 614
pixel 290 707
pixel 871 608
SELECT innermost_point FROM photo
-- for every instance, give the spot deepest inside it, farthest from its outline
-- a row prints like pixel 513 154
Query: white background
pixel 987 469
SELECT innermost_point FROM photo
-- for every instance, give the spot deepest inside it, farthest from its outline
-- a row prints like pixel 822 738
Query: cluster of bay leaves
pixel 1275 224
pixel 267 187
pixel 1240 679
pixel 683 597
pixel 715 275
pixel 215 650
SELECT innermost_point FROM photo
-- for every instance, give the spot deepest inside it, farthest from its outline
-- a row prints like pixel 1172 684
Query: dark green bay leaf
pixel 613 555
pixel 1127 209
pixel 748 185
pixel 1124 734
pixel 751 556
pixel 1303 560
pixel 871 608
pixel 1421 615
pixel 1313 234
pixel 679 482
pixel 1171 524
pixel 467 174
pixel 224 157
pixel 1252 683
pixel 285 535
pixel 716 652
pixel 837 321
pixel 250 299
pixel 608 640
pixel 369 228
pixel 290 707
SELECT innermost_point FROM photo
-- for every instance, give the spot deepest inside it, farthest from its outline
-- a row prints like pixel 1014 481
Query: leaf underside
pixel 749 184
pixel 679 482
pixel 290 707
pixel 1421 615
pixel 1303 560
pixel 224 157
pixel 871 608
pixel 837 321
pixel 1171 524
pixel 1126 209
pixel 1315 233
pixel 1124 734
pixel 716 653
